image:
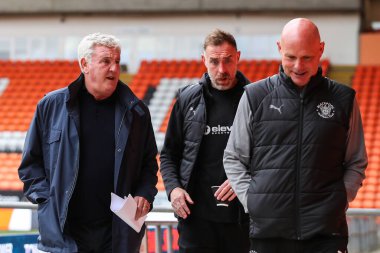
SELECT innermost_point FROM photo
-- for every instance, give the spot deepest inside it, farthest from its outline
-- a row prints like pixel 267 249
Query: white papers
pixel 126 210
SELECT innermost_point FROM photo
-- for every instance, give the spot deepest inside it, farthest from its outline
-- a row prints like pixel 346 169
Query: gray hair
pixel 87 44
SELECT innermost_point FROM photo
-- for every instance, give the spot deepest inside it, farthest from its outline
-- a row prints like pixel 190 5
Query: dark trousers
pixel 315 245
pixel 95 237
pixel 202 236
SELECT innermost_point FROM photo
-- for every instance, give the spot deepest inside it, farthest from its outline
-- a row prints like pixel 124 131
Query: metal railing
pixel 151 221
pixel 364 230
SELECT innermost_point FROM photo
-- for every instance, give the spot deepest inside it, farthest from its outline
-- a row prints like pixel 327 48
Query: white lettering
pixel 218 130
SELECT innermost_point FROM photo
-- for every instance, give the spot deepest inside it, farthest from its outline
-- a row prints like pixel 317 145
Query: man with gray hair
pixel 85 141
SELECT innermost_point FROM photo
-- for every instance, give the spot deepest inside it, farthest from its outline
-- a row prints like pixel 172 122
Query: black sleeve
pixel 171 154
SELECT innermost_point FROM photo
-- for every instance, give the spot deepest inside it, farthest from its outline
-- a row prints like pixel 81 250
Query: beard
pixel 227 84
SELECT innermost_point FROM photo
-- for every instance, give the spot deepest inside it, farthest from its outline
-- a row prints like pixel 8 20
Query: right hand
pixel 179 198
pixel 225 192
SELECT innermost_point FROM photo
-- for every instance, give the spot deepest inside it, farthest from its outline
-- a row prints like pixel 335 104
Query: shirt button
pixel 119 150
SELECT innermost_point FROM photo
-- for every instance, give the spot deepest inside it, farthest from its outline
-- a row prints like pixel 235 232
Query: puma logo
pixel 192 110
pixel 276 108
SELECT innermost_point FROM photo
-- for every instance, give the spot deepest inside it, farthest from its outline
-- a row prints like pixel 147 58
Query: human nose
pixel 114 66
pixel 221 67
pixel 298 64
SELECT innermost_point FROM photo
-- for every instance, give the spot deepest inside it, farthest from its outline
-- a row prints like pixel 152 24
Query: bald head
pixel 301 48
pixel 300 29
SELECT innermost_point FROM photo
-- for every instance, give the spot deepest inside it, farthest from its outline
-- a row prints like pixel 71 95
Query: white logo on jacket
pixel 276 108
pixel 192 110
pixel 217 130
pixel 325 110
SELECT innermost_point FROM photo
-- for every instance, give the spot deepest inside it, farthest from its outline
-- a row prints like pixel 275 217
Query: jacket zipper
pixel 298 167
pixel 118 131
pixel 202 134
pixel 70 192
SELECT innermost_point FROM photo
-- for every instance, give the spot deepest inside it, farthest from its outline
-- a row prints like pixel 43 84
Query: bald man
pixel 296 154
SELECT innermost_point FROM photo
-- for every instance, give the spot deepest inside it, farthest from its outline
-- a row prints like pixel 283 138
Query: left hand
pixel 225 192
pixel 143 207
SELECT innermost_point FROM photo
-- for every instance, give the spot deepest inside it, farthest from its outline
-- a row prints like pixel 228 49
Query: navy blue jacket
pixel 50 163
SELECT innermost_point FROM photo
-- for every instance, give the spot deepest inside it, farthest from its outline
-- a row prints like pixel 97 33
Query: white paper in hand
pixel 126 210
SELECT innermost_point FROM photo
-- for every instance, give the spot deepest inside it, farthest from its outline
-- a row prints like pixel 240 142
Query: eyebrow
pixel 108 57
pixel 217 58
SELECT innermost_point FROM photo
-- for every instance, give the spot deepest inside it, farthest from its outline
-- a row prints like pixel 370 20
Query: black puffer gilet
pixel 299 139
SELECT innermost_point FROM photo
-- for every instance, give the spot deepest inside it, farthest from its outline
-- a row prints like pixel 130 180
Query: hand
pixel 225 192
pixel 179 198
pixel 143 207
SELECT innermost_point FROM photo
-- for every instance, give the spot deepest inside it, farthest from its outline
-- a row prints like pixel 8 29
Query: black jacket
pixel 297 189
pixel 185 132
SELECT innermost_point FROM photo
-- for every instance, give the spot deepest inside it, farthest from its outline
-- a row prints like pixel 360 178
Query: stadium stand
pixel 28 81
pixel 366 82
pixel 164 78
pixel 23 83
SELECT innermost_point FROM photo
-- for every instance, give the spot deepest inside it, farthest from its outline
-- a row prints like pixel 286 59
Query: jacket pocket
pixel 48 225
pixel 52 144
pixel 54 136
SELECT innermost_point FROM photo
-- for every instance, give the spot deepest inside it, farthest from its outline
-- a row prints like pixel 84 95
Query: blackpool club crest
pixel 325 110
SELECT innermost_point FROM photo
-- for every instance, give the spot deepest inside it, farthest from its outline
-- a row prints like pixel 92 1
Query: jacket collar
pixel 74 89
pixel 123 93
pixel 205 81
pixel 309 87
